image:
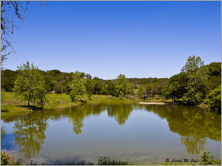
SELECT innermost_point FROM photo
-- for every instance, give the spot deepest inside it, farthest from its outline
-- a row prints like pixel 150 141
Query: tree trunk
pixel 28 104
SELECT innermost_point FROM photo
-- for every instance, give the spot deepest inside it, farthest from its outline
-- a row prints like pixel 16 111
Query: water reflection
pixel 191 123
pixel 2 133
pixel 29 132
pixel 121 112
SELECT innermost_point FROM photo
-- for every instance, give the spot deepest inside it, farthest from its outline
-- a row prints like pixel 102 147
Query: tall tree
pixel 77 84
pixel 30 85
pixel 197 76
pixel 97 85
pixel 111 88
pixel 123 86
pixel 214 99
pixel 89 88
pixel 141 91
pixel 148 90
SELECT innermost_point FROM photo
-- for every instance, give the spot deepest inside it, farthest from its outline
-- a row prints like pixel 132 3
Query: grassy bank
pixel 10 106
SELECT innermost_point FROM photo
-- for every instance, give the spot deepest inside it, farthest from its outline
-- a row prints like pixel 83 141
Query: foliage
pixel 214 99
pixel 148 90
pixel 123 86
pixel 89 88
pixel 196 80
pixel 88 76
pixel 111 89
pixel 30 85
pixel 140 91
pixel 104 90
pixel 214 75
pixel 9 159
pixel 98 86
pixel 207 159
pixel 58 89
pixel 8 80
pixel 48 84
pixel 103 160
pixel 77 84
pixel 72 95
pixel 175 87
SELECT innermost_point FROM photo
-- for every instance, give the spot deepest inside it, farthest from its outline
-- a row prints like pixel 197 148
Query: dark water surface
pixel 142 133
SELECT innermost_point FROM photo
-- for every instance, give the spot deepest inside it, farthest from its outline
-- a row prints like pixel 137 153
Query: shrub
pixel 214 99
pixel 58 89
pixel 72 95
pixel 207 159
pixel 129 97
pixel 103 160
pixel 9 158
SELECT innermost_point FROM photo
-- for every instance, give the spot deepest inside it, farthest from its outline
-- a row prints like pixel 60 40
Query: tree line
pixel 196 83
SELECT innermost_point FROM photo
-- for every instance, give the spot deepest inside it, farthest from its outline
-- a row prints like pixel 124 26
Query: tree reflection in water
pixel 191 123
pixel 29 133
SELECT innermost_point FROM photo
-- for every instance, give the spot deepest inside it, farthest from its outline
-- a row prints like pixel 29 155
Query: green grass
pixel 12 110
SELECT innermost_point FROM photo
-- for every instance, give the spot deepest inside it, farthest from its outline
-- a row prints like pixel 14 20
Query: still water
pixel 142 133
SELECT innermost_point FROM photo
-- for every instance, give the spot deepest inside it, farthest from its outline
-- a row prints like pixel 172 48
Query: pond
pixel 134 132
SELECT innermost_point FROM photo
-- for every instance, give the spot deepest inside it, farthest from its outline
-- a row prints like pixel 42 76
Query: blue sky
pixel 105 39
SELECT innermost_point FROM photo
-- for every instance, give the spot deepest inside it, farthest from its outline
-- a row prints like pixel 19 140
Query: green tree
pixel 140 91
pixel 214 75
pixel 123 86
pixel 176 86
pixel 30 85
pixel 148 90
pixel 88 76
pixel 8 79
pixel 97 86
pixel 214 99
pixel 72 95
pixel 58 89
pixel 104 90
pixel 111 89
pixel 89 88
pixel 77 84
pixel 197 76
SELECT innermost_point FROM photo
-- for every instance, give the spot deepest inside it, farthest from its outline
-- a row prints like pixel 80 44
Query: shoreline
pixel 152 103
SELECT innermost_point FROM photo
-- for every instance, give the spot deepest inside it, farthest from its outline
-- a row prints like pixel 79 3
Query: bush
pixel 58 89
pixel 130 97
pixel 207 159
pixel 214 99
pixel 103 160
pixel 72 95
pixel 9 159
pixel 89 93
